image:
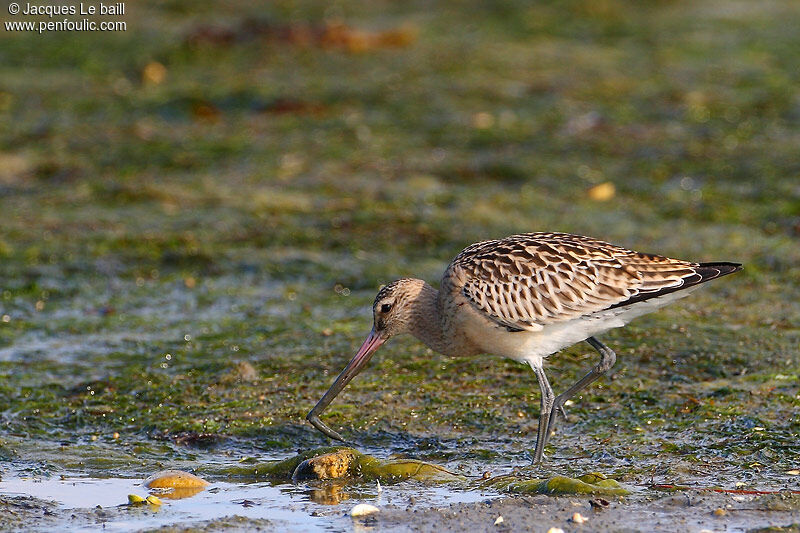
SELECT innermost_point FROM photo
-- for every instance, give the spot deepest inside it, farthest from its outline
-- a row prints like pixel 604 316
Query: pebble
pixel 173 479
pixel 555 530
pixel 363 509
pixel 498 521
pixel 599 503
pixel 602 192
pixel 578 518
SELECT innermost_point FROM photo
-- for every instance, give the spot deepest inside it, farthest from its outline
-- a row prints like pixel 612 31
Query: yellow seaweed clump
pixel 341 462
pixel 347 462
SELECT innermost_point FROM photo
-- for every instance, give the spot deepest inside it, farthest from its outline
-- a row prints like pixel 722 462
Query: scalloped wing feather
pixel 526 281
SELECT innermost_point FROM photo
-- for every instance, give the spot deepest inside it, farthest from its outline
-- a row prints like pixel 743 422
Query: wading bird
pixel 526 297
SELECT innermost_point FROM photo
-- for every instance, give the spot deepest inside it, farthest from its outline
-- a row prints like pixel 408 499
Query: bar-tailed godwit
pixel 526 297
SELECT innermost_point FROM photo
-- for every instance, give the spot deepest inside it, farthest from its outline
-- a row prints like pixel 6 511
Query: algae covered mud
pixel 328 484
pixel 197 212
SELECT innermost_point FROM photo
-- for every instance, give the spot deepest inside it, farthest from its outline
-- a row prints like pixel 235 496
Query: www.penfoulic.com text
pixel 54 12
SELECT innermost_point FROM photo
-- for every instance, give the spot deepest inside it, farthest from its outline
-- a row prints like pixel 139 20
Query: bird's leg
pixel 607 360
pixel 551 394
pixel 544 413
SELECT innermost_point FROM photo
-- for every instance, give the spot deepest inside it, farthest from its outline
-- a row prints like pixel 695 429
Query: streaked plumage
pixel 527 296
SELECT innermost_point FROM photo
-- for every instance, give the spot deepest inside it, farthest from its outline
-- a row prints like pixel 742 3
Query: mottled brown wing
pixel 534 279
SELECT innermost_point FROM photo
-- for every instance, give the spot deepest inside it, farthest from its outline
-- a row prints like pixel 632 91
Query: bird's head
pixel 392 314
pixel 392 311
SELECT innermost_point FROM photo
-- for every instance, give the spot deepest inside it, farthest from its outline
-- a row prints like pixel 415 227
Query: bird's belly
pixel 533 346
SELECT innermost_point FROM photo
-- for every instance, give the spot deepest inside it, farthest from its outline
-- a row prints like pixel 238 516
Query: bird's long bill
pixel 352 369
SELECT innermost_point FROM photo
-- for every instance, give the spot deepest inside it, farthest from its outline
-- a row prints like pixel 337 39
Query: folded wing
pixel 527 281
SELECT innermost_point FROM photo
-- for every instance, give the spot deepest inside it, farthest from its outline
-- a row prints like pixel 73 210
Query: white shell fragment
pixel 363 509
pixel 555 530
pixel 498 521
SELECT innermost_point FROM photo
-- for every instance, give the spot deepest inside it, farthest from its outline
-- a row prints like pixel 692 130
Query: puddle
pixel 301 507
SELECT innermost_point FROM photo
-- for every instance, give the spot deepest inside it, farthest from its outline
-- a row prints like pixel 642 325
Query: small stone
pixel 602 192
pixel 719 511
pixel 498 521
pixel 246 372
pixel 578 518
pixel 173 479
pixel 154 73
pixel 555 530
pixel 363 509
pixel 482 120
pixel 599 503
pixel 153 500
pixel 793 472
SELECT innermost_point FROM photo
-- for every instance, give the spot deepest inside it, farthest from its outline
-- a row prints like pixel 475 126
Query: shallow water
pixel 291 507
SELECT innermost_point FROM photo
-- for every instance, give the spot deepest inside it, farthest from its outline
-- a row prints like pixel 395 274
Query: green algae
pixel 340 462
pixel 349 465
pixel 372 469
pixel 282 469
pixel 596 484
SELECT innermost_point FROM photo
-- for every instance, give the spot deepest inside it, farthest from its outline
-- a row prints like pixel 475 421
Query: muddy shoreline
pixel 656 512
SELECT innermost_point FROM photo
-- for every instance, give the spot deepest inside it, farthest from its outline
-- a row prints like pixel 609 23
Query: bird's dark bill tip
pixel 320 425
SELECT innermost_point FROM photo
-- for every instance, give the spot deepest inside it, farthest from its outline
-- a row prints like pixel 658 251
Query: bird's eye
pixel 385 308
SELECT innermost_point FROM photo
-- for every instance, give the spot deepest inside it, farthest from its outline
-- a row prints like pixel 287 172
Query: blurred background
pixel 195 214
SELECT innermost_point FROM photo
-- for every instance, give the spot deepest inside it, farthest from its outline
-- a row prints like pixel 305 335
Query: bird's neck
pixel 426 320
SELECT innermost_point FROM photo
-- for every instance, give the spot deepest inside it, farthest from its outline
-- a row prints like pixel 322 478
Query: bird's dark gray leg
pixel 607 360
pixel 553 395
pixel 544 413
